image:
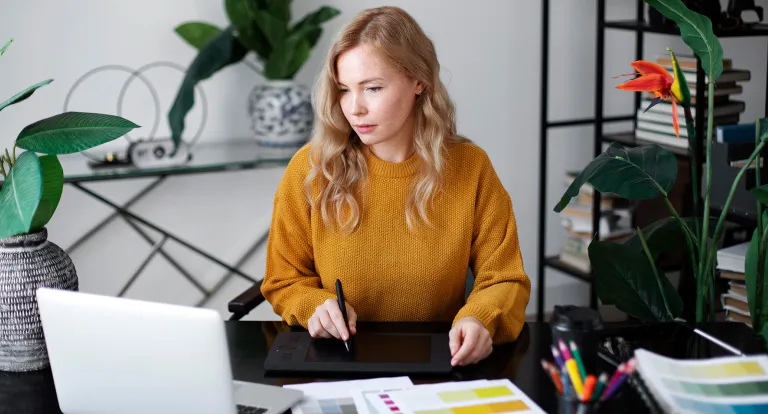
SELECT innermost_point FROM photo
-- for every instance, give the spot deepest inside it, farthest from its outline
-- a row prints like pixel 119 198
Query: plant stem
pixel 2 168
pixel 253 67
pixel 761 232
pixel 686 231
pixel 710 256
pixel 655 272
pixel 8 158
pixel 703 245
pixel 14 152
pixel 690 127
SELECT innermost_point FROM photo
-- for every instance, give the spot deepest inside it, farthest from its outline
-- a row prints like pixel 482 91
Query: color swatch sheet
pixel 343 397
pixel 729 385
pixel 470 397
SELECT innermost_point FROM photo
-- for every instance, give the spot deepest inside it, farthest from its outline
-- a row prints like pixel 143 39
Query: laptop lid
pixel 114 355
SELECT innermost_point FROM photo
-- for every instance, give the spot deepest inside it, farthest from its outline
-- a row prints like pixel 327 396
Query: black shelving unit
pixel 640 27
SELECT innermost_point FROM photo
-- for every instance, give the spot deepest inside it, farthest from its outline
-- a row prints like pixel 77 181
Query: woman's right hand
pixel 328 322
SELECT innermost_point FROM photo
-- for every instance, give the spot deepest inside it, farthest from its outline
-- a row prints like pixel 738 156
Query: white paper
pixel 426 398
pixel 323 397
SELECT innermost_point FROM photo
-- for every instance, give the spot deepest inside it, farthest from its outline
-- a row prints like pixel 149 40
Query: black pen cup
pixel 583 326
pixel 570 404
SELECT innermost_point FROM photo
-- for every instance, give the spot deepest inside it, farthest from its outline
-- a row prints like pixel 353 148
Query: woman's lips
pixel 364 128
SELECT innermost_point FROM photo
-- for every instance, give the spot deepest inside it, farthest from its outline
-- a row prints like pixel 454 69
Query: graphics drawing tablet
pixel 374 352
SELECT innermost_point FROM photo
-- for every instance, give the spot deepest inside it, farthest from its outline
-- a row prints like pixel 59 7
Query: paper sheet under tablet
pixel 336 397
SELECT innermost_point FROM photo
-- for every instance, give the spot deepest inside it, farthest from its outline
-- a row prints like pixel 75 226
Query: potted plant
pixel 280 109
pixel 625 273
pixel 31 189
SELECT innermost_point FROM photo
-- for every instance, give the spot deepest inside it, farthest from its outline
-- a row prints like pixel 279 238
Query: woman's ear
pixel 419 88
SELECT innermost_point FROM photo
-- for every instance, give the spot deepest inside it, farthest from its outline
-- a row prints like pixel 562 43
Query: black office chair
pixel 245 302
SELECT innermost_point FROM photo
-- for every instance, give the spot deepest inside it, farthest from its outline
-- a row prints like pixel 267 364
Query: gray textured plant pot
pixel 281 115
pixel 27 262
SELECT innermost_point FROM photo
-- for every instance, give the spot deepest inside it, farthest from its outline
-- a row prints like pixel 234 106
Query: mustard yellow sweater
pixel 391 273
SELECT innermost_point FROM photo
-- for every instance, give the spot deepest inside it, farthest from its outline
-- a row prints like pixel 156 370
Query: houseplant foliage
pixel 33 184
pixel 625 273
pixel 31 189
pixel 261 26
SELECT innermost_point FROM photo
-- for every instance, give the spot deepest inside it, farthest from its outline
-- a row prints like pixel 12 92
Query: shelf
pixel 554 262
pixel 755 30
pixel 629 139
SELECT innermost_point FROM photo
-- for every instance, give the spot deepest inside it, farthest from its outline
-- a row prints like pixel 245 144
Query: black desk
pixel 520 361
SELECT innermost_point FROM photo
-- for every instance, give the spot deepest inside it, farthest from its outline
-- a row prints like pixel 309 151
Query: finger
pixel 338 321
pixel 315 329
pixel 327 323
pixel 467 346
pixel 481 351
pixel 454 340
pixel 352 316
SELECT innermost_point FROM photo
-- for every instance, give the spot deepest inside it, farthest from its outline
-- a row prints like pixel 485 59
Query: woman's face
pixel 376 99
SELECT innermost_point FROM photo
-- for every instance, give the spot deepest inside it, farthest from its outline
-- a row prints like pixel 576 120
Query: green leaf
pixel 664 235
pixel 285 58
pixel 280 9
pixel 750 277
pixel 696 31
pixel 20 195
pixel 300 56
pixel 197 34
pixel 8 43
pixel 313 21
pixel 625 278
pixel 26 93
pixel 639 173
pixel 241 15
pixel 223 50
pixel 273 28
pixel 53 185
pixel 761 193
pixel 72 132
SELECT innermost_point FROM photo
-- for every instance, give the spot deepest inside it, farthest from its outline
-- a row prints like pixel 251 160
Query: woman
pixel 387 198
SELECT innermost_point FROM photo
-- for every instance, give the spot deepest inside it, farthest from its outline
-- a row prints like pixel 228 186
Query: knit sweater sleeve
pixel 502 288
pixel 291 284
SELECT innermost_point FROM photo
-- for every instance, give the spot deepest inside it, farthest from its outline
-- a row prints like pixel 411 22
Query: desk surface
pixel 25 393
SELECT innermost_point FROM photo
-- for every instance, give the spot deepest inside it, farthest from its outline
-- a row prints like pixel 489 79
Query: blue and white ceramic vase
pixel 281 115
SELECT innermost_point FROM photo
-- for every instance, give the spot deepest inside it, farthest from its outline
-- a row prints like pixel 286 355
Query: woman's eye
pixel 374 88
pixel 342 90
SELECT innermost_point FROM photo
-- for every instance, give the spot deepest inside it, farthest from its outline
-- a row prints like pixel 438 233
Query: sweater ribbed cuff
pixel 310 302
pixel 488 316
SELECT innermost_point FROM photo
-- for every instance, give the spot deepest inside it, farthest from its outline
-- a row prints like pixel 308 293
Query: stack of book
pixel 731 264
pixel 576 218
pixel 655 125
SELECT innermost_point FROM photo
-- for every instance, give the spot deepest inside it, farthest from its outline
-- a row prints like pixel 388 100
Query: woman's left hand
pixel 470 342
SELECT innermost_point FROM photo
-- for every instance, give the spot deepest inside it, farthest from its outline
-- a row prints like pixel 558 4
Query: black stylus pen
pixel 343 307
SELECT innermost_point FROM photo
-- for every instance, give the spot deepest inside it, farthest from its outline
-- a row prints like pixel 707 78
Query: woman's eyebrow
pixel 364 81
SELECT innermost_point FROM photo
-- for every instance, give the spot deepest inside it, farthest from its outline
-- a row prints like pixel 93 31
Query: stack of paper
pixel 715 385
pixel 400 396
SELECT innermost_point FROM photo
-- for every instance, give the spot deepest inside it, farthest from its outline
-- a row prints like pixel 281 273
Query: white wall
pixel 490 54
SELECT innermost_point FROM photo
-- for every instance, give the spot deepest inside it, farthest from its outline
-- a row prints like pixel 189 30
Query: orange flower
pixel 654 78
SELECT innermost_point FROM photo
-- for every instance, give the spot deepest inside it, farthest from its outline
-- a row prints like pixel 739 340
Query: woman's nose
pixel 358 105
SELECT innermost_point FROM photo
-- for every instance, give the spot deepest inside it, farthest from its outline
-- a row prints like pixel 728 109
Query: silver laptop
pixel 117 356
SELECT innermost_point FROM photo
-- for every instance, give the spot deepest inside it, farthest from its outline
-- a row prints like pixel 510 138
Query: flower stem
pixel 690 127
pixel 703 242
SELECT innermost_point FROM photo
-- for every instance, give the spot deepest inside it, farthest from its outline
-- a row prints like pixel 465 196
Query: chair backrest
pixel 470 283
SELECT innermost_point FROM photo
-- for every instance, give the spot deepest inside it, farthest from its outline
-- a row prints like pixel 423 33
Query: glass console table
pixel 205 158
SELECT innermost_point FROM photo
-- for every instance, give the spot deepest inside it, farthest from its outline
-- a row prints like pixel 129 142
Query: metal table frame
pixel 237 156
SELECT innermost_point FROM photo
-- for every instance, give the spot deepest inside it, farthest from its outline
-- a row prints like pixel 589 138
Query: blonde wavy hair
pixel 337 156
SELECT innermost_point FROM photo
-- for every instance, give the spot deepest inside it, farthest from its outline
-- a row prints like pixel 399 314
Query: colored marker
pixel 618 378
pixel 553 375
pixel 579 362
pixel 573 370
pixel 558 358
pixel 601 380
pixel 589 387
